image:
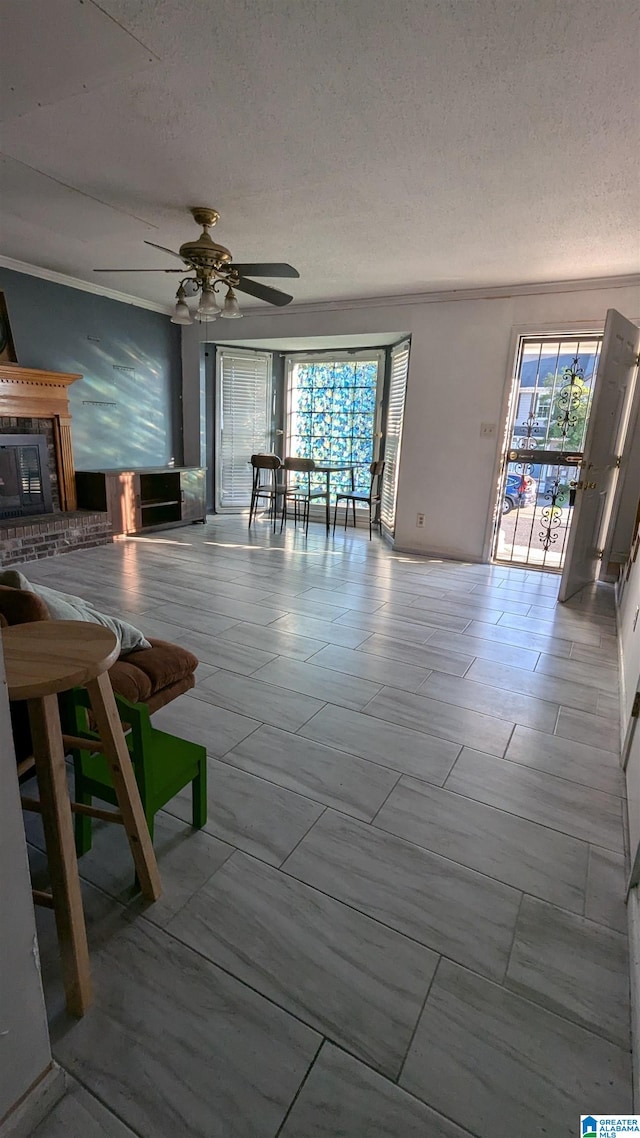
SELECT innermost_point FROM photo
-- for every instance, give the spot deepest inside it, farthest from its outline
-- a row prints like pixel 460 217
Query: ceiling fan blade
pixel 139 270
pixel 165 250
pixel 277 269
pixel 263 292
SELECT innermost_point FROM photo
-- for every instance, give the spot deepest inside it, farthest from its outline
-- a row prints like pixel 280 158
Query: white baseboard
pixel 35 1105
pixel 633 917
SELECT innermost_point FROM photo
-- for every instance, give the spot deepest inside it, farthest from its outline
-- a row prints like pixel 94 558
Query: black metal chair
pixel 301 491
pixel 376 470
pixel 266 485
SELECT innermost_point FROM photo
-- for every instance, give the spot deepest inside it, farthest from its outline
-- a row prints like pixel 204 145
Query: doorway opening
pixel 546 427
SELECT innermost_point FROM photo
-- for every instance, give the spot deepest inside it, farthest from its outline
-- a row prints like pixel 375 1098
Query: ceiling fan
pixel 212 265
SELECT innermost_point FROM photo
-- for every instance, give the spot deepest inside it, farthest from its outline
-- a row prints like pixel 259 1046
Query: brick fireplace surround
pixel 36 402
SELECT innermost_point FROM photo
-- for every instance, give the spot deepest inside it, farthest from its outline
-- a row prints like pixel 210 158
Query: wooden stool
pixel 43 659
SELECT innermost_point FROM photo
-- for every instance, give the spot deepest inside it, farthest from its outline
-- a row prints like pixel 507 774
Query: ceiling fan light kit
pixel 208 306
pixel 212 264
pixel 231 310
pixel 181 314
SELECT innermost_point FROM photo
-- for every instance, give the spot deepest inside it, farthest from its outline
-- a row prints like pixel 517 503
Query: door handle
pixel 582 485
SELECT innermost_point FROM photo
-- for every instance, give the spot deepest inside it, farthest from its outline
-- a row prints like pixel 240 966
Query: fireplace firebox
pixel 25 487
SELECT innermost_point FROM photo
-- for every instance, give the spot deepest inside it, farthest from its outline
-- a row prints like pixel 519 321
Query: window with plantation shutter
pixel 393 434
pixel 244 396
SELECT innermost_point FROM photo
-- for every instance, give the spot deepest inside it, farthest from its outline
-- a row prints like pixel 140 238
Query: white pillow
pixel 64 606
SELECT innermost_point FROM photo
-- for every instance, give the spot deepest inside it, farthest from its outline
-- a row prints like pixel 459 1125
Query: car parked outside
pixel 520 490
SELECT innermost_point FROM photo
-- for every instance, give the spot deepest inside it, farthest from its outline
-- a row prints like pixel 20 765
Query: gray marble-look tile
pixel 585 616
pixel 80 1115
pixel 226 609
pixel 370 667
pixel 305 607
pixel 360 603
pixel 519 853
pixel 203 722
pixel 223 653
pixel 333 777
pixel 414 632
pixel 460 603
pixel 588 675
pixel 513 706
pixel 504 1066
pixel 183 616
pixel 434 717
pixel 533 637
pixel 177 1046
pixel 577 810
pixel 247 812
pixel 559 756
pixel 441 904
pixel 606 654
pixel 532 683
pixel 320 683
pixel 431 617
pixel 421 655
pixel 605 900
pixel 154 628
pixel 582 727
pixel 341 1098
pixel 267 638
pixel 186 859
pixel 331 632
pixel 572 966
pixel 351 978
pixel 399 748
pixel 477 647
pixel 609 704
pixel 250 696
pixel 576 630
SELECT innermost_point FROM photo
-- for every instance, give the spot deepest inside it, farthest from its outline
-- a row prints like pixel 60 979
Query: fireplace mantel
pixel 26 391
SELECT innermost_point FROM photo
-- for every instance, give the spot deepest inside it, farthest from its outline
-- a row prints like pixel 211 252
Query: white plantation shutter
pixel 393 434
pixel 244 421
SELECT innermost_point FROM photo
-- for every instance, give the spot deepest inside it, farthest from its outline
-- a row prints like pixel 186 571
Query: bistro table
pixel 43 659
pixel 329 468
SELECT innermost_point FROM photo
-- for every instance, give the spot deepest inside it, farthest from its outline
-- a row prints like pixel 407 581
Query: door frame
pixel 519 332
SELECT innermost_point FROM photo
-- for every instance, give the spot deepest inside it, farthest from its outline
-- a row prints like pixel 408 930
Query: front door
pixel 603 444
pixel 549 411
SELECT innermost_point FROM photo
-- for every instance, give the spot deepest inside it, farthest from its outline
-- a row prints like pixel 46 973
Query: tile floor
pixel 405 913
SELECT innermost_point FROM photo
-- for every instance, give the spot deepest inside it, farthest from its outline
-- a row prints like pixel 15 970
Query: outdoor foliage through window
pixel 331 408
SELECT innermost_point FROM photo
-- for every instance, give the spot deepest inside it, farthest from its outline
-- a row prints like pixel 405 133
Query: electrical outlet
pixel 420 521
pixel 488 430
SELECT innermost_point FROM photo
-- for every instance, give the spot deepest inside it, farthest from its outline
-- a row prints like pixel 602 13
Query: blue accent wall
pixel 126 411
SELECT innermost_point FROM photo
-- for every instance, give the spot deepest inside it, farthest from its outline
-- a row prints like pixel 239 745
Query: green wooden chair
pixel 163 764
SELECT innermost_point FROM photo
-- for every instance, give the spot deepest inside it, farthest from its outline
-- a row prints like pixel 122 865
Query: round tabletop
pixel 49 656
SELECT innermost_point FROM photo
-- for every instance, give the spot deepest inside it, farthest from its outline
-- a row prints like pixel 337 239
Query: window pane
pixel 331 415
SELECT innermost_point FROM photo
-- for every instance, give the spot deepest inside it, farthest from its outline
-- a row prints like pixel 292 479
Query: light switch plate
pixel 488 430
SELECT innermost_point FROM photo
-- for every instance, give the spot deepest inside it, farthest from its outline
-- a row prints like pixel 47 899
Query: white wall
pixel 24 1038
pixel 628 616
pixel 461 352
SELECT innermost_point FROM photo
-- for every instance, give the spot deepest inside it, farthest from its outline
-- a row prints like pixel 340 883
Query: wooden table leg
pixel 124 783
pixel 51 770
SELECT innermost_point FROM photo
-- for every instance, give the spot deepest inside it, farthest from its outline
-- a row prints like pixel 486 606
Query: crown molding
pixel 399 300
pixel 84 286
pixel 493 292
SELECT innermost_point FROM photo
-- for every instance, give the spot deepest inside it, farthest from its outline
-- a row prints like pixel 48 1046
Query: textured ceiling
pixel 381 146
